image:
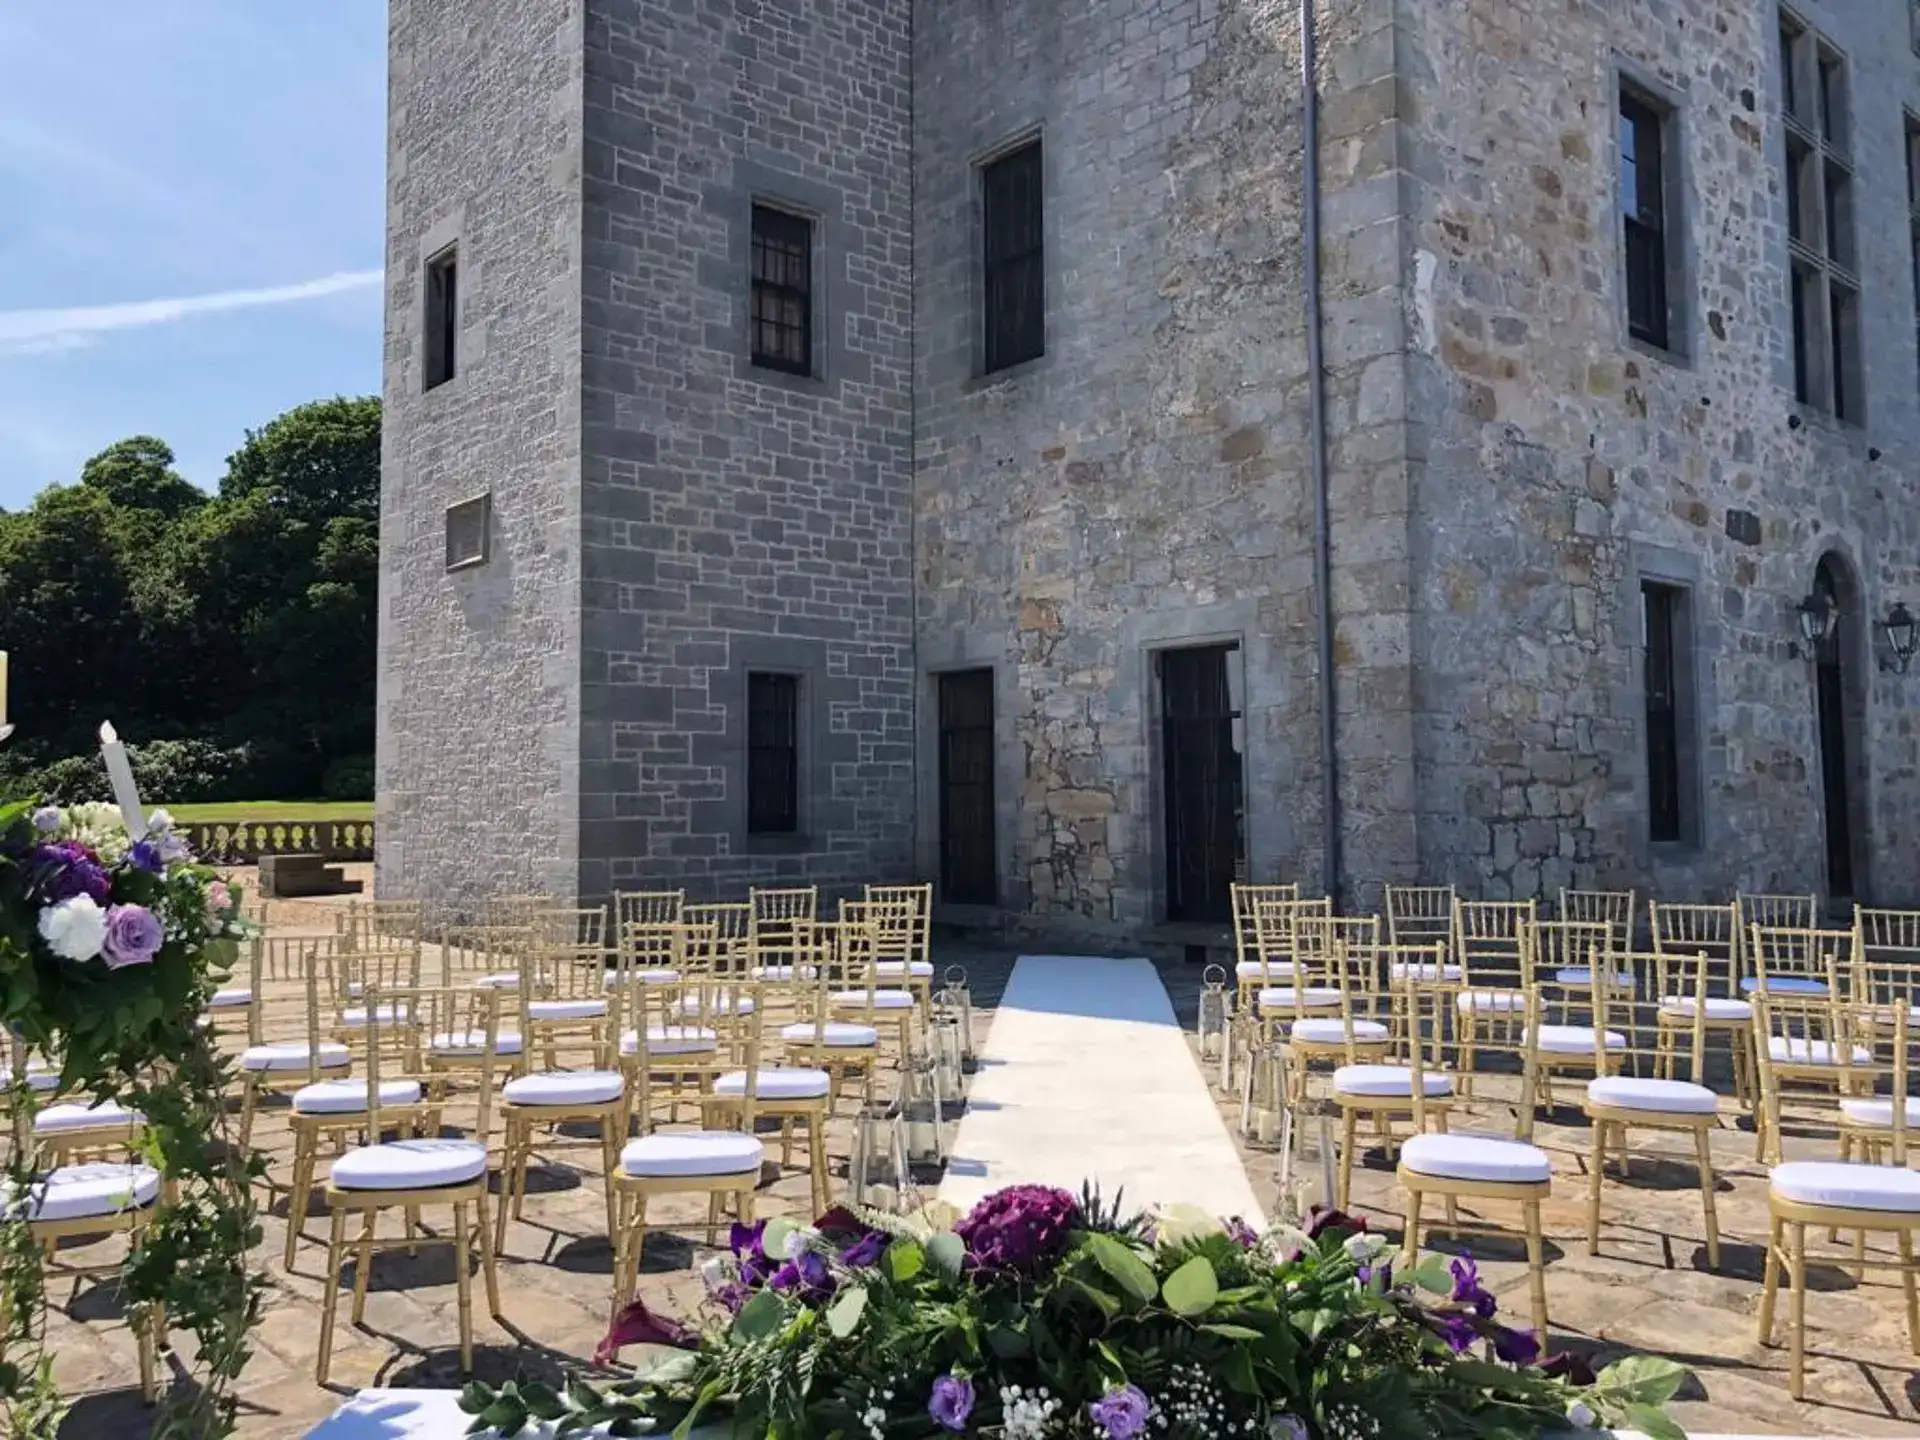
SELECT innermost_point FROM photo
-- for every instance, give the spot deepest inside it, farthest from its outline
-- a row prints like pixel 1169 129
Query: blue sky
pixel 226 153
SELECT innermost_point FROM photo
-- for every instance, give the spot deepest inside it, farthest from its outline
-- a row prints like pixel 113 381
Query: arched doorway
pixel 1838 706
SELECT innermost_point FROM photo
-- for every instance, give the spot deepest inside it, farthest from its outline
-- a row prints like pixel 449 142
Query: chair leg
pixel 336 1255
pixel 1705 1151
pixel 1910 1284
pixel 609 1161
pixel 1536 1269
pixel 1410 1242
pixel 817 1162
pixel 463 1284
pixel 363 1267
pixel 487 1267
pixel 1770 1284
pixel 143 1339
pixel 1349 1137
pixel 1596 1165
pixel 305 1142
pixel 1797 1313
pixel 249 1099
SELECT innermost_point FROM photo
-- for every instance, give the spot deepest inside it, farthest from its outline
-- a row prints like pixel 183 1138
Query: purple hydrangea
pixel 1018 1229
pixel 145 855
pixel 1121 1414
pixel 133 936
pixel 951 1402
pixel 67 868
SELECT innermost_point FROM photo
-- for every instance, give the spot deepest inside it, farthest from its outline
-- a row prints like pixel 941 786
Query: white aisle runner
pixel 1085 1075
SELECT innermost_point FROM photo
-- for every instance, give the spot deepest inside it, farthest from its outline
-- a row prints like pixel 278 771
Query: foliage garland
pixel 110 950
pixel 1040 1316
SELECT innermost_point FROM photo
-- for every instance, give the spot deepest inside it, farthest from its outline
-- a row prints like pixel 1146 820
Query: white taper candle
pixel 120 772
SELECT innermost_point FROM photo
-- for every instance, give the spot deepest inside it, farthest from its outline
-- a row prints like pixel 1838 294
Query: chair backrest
pixel 1886 957
pixel 1617 908
pixel 656 1010
pixel 846 957
pixel 403 1023
pixel 375 921
pixel 1776 912
pixel 791 903
pixel 1649 1011
pixel 916 901
pixel 285 964
pixel 730 925
pixel 1710 930
pixel 1802 955
pixel 1428 1005
pixel 390 965
pixel 579 928
pixel 1325 946
pixel 1419 914
pixel 513 909
pixel 1555 950
pixel 886 930
pixel 1797 1035
pixel 1244 897
pixel 1488 938
pixel 470 953
pixel 646 907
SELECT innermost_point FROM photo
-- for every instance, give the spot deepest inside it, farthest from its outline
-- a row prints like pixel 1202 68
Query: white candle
pixel 121 773
pixel 3 687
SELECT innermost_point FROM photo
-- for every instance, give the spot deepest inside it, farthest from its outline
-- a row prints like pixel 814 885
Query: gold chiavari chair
pixel 388 964
pixel 410 1174
pixel 1456 1166
pixel 893 925
pixel 646 907
pixel 715 1161
pixel 569 997
pixel 1617 1105
pixel 1372 1084
pixel 1291 992
pixel 1340 954
pixel 1713 931
pixel 773 905
pixel 1817 1054
pixel 841 1039
pixel 793 1095
pixel 1563 960
pixel 916 901
pixel 1838 1197
pixel 1795 959
pixel 879 991
pixel 1886 963
pixel 1776 912
pixel 83 1202
pixel 372 922
pixel 1251 971
pixel 1489 939
pixel 664 1043
pixel 1616 908
pixel 288 1062
pixel 731 925
pixel 1419 914
pixel 485 955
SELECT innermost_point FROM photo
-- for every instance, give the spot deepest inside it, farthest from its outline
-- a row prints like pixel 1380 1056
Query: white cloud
pixel 41 331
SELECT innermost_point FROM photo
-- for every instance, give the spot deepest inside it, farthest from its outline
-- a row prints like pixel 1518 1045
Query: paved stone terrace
pixel 1648 1289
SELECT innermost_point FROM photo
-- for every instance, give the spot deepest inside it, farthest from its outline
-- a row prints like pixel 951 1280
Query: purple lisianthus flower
pixel 67 868
pixel 133 936
pixel 731 1296
pixel 865 1251
pixel 744 1240
pixel 1457 1330
pixel 1019 1229
pixel 145 855
pixel 806 1273
pixel 1468 1290
pixel 48 819
pixel 1381 1271
pixel 951 1402
pixel 1121 1414
pixel 1242 1234
pixel 1516 1347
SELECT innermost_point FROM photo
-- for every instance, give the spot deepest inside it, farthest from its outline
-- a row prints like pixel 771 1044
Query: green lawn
pixel 234 811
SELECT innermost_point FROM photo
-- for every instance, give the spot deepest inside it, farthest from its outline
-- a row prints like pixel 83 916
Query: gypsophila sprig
pixel 1042 1316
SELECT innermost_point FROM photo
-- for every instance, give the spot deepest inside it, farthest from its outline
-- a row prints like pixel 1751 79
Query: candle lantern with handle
pixel 1213 1013
pixel 955 997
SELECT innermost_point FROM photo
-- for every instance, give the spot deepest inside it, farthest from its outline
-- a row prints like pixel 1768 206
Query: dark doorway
pixel 1201 780
pixel 1830 703
pixel 967 856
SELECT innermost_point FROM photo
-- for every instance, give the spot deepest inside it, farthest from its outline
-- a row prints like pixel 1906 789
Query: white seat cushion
pixel 834 1035
pixel 79 1192
pixel 1575 1039
pixel 1334 1032
pixel 1717 1008
pixel 1798 1050
pixel 1666 1097
pixel 882 999
pixel 1785 985
pixel 645 977
pixel 292 1055
pixel 1476 1157
pixel 349 1097
pixel 236 997
pixel 701 1152
pixel 410 1165
pixel 356 1018
pixel 1275 970
pixel 672 1040
pixel 784 972
pixel 551 1010
pixel 1426 971
pixel 742 1004
pixel 566 1087
pixel 781 1084
pixel 471 1042
pixel 894 969
pixel 1581 977
pixel 1862 1110
pixel 68 1116
pixel 1313 997
pixel 1388 1081
pixel 504 980
pixel 40 1078
pixel 1491 1002
pixel 1848 1187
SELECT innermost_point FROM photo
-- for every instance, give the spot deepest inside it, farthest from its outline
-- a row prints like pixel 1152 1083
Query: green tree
pixel 137 474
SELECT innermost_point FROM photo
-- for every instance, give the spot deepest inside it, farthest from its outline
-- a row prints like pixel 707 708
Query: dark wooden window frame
pixel 1664 612
pixel 773 752
pixel 442 318
pixel 1013 256
pixel 1646 234
pixel 780 309
pixel 968 823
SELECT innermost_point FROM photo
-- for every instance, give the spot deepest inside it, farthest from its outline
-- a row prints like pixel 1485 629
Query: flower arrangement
pixel 1042 1316
pixel 110 948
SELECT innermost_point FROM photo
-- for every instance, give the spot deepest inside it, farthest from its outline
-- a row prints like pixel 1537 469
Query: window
pixel 1664 616
pixel 782 290
pixel 1913 210
pixel 443 317
pixel 1823 252
pixel 1015 280
pixel 969 862
pixel 1643 213
pixel 467 524
pixel 773 754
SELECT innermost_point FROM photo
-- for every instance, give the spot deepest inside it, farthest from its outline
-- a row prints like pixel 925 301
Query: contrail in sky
pixel 41 330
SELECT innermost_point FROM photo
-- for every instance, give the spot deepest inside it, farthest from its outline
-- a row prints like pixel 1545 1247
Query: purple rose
pixel 145 855
pixel 1120 1414
pixel 952 1402
pixel 133 936
pixel 1468 1290
pixel 67 868
pixel 1019 1229
pixel 1516 1347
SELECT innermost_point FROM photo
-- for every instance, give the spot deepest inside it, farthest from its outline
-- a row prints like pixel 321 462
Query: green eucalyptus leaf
pixel 1108 1304
pixel 1123 1264
pixel 758 1318
pixel 543 1401
pixel 475 1397
pixel 1654 1423
pixel 1234 1332
pixel 507 1415
pixel 1642 1379
pixel 773 1240
pixel 1433 1275
pixel 1192 1289
pixel 843 1316
pixel 948 1251
pixel 1007 1343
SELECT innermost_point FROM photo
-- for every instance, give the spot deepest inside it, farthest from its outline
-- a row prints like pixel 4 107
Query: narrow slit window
pixel 443 317
pixel 1015 280
pixel 1664 611
pixel 773 754
pixel 782 290
pixel 1643 207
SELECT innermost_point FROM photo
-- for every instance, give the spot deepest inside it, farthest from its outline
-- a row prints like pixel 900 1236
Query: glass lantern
pixel 877 1169
pixel 954 998
pixel 1213 1013
pixel 1306 1178
pixel 943 1042
pixel 920 1111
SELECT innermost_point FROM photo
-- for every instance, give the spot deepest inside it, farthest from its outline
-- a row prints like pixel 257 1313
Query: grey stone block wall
pixel 478 747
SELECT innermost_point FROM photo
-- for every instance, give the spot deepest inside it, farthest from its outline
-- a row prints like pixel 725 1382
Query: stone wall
pixel 477 751
pixel 737 517
pixel 1560 462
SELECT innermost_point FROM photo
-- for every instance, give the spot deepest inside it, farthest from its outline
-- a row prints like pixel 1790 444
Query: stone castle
pixel 849 440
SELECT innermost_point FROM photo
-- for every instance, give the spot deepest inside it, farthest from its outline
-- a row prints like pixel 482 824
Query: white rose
pixel 74 929
pixel 1363 1247
pixel 1580 1415
pixel 1182 1224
